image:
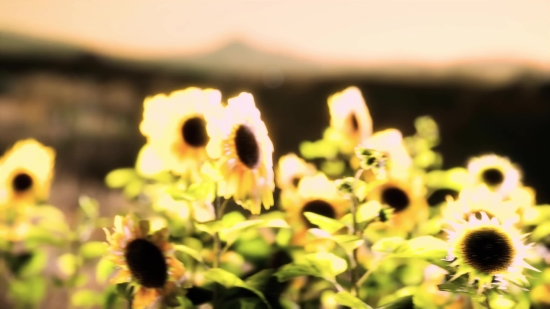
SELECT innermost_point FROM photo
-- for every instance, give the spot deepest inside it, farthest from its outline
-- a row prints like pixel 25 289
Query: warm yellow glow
pixel 291 169
pixel 503 235
pixel 149 162
pixel 239 138
pixel 26 172
pixel 480 199
pixel 175 127
pixel 349 118
pixel 497 173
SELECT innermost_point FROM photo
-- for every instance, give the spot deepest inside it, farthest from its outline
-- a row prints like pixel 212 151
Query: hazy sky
pixel 352 31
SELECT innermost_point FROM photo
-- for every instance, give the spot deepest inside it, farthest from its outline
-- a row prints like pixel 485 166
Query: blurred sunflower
pixel 350 118
pixel 316 194
pixel 240 139
pixel 497 173
pixel 407 201
pixel 176 127
pixel 146 262
pixel 480 199
pixel 391 143
pixel 26 172
pixel 486 248
pixel 290 170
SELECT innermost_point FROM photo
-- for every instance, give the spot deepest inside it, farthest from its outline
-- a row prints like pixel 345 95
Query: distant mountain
pixel 238 59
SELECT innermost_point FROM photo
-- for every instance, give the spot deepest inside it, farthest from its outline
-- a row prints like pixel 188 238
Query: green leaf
pixel 348 242
pixel 209 227
pixel 260 279
pixel 321 264
pixel 189 251
pixel 35 265
pixel 93 249
pixel 120 177
pixel 318 149
pixel 232 218
pixel 230 235
pixel 389 244
pixel 203 191
pixel 38 235
pixel 326 224
pixel 243 303
pixel 104 269
pixel 333 167
pixel 401 303
pixel 134 188
pixel 427 247
pixel 67 263
pixel 229 280
pixel 28 291
pixel 541 231
pixel 86 298
pixel 346 299
pixel 89 206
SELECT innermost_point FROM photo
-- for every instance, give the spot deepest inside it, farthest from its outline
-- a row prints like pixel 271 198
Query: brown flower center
pixel 21 182
pixel 247 147
pixel 493 176
pixel 319 207
pixel 487 250
pixel 354 123
pixel 194 132
pixel 395 198
pixel 439 196
pixel 146 263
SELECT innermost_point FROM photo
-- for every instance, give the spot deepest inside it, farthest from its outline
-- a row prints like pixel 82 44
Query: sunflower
pixel 26 172
pixel 239 139
pixel 349 118
pixel 176 127
pixel 146 261
pixel 497 173
pixel 391 143
pixel 405 198
pixel 290 170
pixel 316 194
pixel 480 199
pixel 486 248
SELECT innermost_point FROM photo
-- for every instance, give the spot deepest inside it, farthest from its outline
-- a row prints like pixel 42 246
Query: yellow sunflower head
pixel 405 199
pixel 290 170
pixel 488 251
pixel 391 143
pixel 316 194
pixel 350 118
pixel 497 173
pixel 479 199
pixel 146 261
pixel 239 139
pixel 26 172
pixel 176 127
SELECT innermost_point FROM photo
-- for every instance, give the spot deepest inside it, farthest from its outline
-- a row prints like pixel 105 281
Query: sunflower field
pixel 355 219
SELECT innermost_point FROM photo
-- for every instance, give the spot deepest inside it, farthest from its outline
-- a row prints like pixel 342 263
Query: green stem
pixel 218 250
pixel 487 304
pixel 354 231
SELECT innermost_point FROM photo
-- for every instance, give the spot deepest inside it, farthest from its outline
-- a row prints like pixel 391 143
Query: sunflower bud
pixel 345 185
pixel 371 158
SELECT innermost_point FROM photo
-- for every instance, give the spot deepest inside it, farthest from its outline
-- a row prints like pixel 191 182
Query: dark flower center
pixel 295 181
pixel 146 263
pixel 319 207
pixel 493 176
pixel 477 214
pixel 439 196
pixel 395 198
pixel 194 133
pixel 21 182
pixel 354 122
pixel 247 147
pixel 487 250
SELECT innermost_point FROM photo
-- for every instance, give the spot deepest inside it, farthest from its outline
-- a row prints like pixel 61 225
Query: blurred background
pixel 73 74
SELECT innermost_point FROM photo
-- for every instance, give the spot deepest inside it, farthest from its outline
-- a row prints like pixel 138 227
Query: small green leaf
pixel 134 188
pixel 333 167
pixel 209 227
pixel 389 245
pixel 35 265
pixel 89 206
pixel 541 231
pixel 171 301
pixel 232 218
pixel 120 177
pixel 260 279
pixel 321 264
pixel 405 302
pixel 203 191
pixel 346 299
pixel 93 249
pixel 104 269
pixel 426 247
pixel 28 291
pixel 229 280
pixel 243 303
pixel 348 242
pixel 189 251
pixel 86 298
pixel 38 235
pixel 327 224
pixel 67 263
